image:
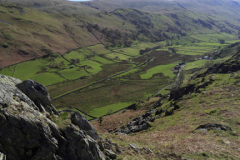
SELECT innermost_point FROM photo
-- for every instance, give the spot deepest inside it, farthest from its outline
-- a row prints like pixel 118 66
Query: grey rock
pixel 38 94
pixel 81 121
pixel 159 111
pixel 107 158
pixel 2 156
pixel 135 148
pixel 138 124
pixel 207 127
pixel 110 154
pixel 27 133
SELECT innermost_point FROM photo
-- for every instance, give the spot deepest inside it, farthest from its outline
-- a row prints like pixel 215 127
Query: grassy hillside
pixel 211 96
pixel 60 26
pixel 137 49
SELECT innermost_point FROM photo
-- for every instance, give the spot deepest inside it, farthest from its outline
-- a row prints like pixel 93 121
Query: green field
pixel 99 49
pixel 47 78
pixel 118 56
pixel 129 72
pixel 101 60
pixel 98 112
pixel 196 64
pixel 23 71
pixel 212 37
pixel 75 54
pixel 8 70
pixel 164 69
pixel 73 73
pixel 92 66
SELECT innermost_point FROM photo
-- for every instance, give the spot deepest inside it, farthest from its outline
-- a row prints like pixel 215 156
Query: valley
pixel 115 61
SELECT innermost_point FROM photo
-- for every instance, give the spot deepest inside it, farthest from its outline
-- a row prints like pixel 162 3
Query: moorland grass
pixel 111 92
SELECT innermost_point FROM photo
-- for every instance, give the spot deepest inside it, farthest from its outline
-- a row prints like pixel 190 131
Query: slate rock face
pixel 38 94
pixel 26 133
pixel 81 121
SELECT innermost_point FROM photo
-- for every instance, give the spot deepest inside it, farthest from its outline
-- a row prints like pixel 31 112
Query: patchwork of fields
pixel 88 65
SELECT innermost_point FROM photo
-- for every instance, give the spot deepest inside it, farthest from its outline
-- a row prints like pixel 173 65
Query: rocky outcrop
pixel 2 156
pixel 81 121
pixel 38 94
pixel 208 127
pixel 29 132
pixel 138 124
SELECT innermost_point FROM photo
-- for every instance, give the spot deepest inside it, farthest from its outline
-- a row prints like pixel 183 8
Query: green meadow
pixel 8 70
pixel 99 49
pixel 164 69
pixel 28 69
pixel 75 54
pixel 94 59
pixel 118 56
pixel 98 112
pixel 196 64
pixel 101 60
pixel 92 66
pixel 47 78
pixel 73 73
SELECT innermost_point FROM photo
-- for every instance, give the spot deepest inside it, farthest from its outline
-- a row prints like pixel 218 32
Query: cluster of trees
pixel 203 23
pixel 141 52
pixel 144 32
pixel 173 50
pixel 57 65
pixel 116 37
pixel 77 60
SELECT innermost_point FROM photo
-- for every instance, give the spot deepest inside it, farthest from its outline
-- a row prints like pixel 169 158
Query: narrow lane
pixel 171 83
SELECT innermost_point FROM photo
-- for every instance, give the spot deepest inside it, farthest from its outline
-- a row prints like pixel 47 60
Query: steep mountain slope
pixel 29 33
pixel 200 120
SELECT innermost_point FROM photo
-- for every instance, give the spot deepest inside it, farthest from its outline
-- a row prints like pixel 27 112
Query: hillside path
pixel 171 83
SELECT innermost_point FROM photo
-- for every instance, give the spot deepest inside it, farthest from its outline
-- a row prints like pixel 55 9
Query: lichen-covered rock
pixel 26 133
pixel 81 121
pixel 110 154
pixel 38 94
pixel 138 124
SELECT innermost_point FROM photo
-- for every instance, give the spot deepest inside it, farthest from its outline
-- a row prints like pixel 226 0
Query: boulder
pixel 208 127
pixel 81 121
pixel 138 124
pixel 159 111
pixel 110 154
pixel 169 111
pixel 135 148
pixel 38 94
pixel 30 134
